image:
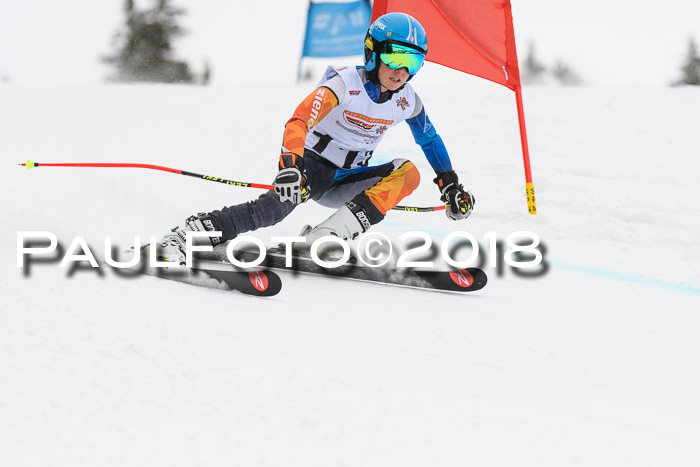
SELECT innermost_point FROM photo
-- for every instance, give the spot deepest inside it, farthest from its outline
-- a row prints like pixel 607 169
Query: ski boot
pixel 172 247
pixel 346 223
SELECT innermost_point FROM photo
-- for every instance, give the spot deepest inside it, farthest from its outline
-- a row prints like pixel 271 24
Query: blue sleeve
pixel 427 138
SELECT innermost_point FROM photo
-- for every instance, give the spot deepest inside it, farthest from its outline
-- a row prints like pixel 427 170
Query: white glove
pixel 291 184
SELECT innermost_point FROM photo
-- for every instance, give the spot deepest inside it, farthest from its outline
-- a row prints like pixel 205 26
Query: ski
pixel 261 283
pixel 214 275
pixel 211 274
pixel 463 280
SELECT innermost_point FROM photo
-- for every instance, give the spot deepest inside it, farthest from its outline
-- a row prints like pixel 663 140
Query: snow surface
pixel 596 363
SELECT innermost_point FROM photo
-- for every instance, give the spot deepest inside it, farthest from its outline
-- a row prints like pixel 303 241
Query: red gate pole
pixel 529 187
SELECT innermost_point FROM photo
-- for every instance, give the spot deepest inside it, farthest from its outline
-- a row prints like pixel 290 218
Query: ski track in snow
pixel 596 363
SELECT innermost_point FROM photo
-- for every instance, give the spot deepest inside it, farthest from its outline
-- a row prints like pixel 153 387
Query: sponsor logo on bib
pixel 363 122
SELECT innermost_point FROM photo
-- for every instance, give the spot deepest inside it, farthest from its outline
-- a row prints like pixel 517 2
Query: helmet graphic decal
pixel 412 32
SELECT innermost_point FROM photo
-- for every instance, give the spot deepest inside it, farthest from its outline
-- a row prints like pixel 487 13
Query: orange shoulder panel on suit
pixel 312 110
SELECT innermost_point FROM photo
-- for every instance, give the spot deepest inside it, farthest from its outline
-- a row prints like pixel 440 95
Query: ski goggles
pixel 397 56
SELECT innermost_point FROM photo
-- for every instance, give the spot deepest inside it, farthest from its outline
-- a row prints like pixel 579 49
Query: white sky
pixel 606 41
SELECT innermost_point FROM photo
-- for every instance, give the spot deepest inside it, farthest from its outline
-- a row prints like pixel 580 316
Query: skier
pixel 328 142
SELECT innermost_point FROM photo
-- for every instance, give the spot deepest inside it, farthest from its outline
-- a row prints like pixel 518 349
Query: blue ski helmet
pixel 399 40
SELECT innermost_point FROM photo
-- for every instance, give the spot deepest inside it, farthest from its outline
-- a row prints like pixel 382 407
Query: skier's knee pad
pixel 401 182
pixel 410 174
pixel 405 176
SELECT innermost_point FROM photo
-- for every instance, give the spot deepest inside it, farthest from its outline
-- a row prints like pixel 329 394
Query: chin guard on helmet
pixel 372 51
